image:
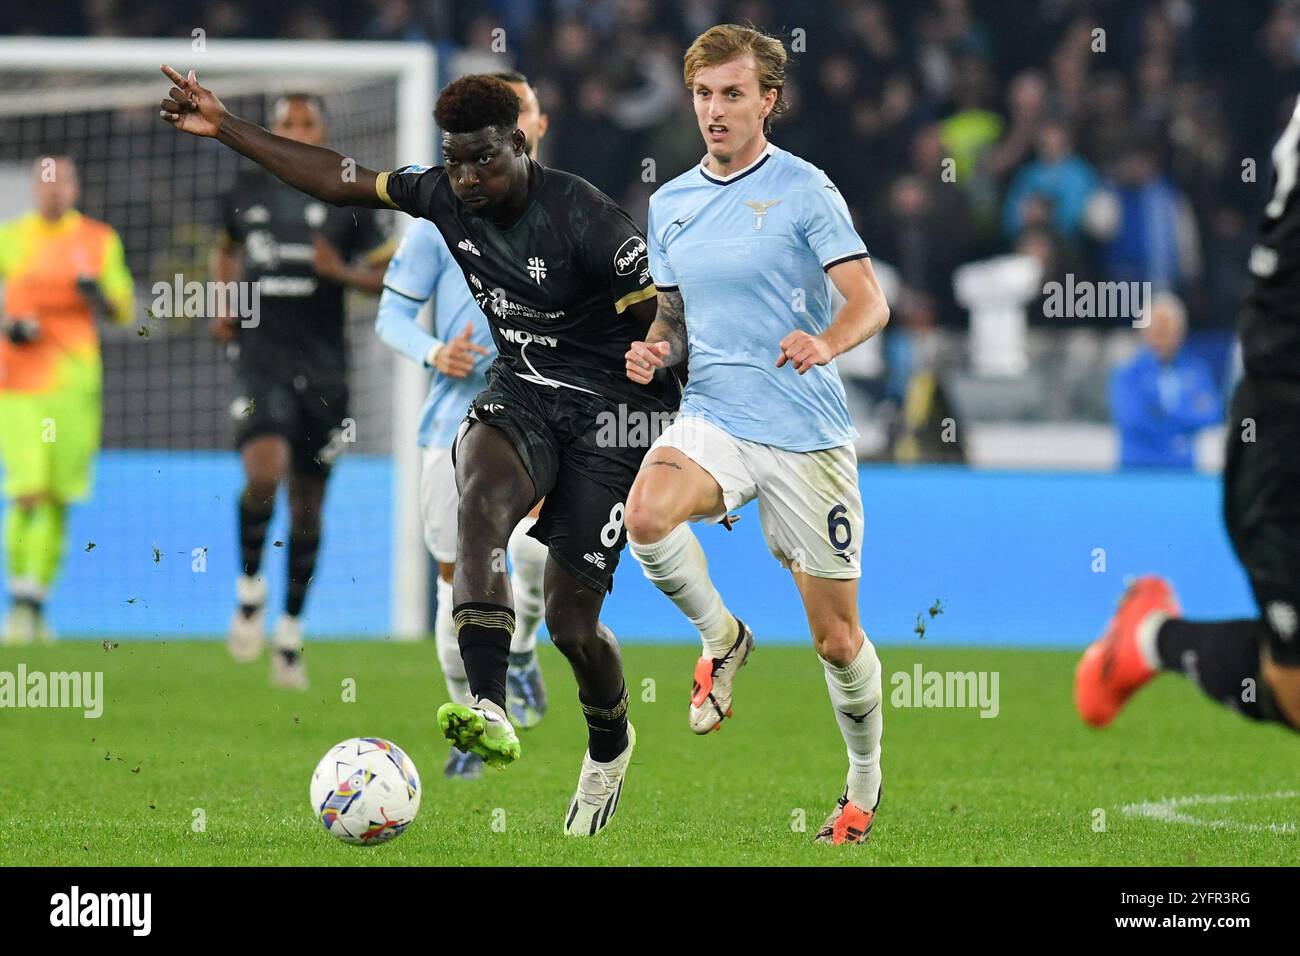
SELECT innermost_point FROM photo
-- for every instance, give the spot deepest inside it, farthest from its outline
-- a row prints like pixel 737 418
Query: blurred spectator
pixel 1027 104
pixel 1059 176
pixel 1147 225
pixel 1163 397
pixel 902 235
pixel 973 128
pixel 394 20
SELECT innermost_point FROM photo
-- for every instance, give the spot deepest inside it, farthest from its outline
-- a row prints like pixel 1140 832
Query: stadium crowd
pixel 1101 142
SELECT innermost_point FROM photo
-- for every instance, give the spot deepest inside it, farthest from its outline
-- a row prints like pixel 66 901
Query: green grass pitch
pixel 184 729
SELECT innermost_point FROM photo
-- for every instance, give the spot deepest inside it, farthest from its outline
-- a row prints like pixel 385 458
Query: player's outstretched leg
pixel 669 489
pixel 495 493
pixel 573 618
pixel 525 689
pixel 853 681
pixel 1230 661
pixel 266 461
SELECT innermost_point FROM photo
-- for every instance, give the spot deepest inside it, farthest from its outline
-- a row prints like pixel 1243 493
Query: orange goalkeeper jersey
pixel 40 263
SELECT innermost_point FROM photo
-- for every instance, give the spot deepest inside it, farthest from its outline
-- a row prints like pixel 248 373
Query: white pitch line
pixel 1168 810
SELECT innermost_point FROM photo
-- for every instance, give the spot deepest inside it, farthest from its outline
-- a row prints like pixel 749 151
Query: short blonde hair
pixel 726 42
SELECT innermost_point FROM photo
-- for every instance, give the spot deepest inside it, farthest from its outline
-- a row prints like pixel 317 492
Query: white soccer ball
pixel 365 790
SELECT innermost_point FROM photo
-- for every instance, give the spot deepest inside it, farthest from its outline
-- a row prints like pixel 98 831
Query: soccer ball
pixel 365 790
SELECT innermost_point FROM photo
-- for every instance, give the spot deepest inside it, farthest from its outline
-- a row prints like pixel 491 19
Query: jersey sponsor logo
pixel 537 269
pixel 468 246
pixel 287 286
pixel 415 169
pixel 521 337
pixel 257 214
pixel 503 308
pixel 492 408
pixel 314 213
pixel 596 558
pixel 628 255
pixel 760 209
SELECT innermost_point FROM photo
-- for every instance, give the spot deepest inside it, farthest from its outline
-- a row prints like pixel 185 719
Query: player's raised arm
pixel 317 171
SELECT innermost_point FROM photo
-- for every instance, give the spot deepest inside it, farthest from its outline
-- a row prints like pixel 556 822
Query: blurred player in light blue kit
pixel 459 354
pixel 743 250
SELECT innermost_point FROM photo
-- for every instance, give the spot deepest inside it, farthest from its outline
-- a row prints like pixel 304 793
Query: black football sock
pixel 606 727
pixel 254 518
pixel 1222 658
pixel 304 545
pixel 483 632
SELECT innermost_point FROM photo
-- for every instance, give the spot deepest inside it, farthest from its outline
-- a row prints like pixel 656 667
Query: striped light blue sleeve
pixel 409 281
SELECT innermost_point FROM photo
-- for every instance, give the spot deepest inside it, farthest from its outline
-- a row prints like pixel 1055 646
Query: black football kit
pixel 291 355
pixel 555 285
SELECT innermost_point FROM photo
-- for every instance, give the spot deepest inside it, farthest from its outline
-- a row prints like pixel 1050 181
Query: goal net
pixel 154 551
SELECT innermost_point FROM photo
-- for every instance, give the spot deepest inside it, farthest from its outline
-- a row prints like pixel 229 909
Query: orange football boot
pixel 1113 668
pixel 848 822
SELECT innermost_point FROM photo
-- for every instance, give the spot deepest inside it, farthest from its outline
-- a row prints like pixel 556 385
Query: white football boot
pixel 287 668
pixel 244 639
pixel 599 787
pixel 711 689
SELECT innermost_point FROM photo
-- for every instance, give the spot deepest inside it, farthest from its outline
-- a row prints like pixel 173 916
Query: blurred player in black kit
pixel 562 274
pixel 1252 666
pixel 291 398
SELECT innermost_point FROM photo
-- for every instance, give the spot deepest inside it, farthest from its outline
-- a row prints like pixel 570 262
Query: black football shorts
pixel 570 448
pixel 307 411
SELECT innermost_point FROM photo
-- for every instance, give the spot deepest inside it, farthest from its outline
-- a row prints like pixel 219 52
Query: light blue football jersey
pixel 748 253
pixel 424 267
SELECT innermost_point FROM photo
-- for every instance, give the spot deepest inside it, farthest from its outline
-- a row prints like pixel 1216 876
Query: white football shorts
pixel 438 503
pixel 809 504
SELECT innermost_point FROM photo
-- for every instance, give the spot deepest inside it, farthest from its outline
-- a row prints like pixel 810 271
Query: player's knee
pixel 645 523
pixel 837 642
pixel 260 488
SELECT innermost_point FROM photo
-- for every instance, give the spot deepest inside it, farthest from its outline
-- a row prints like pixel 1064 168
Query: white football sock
pixel 1147 631
pixel 528 566
pixel 855 690
pixel 444 636
pixel 677 566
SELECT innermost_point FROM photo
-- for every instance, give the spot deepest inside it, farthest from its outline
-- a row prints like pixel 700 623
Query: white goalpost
pixel 99 98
